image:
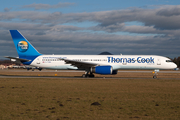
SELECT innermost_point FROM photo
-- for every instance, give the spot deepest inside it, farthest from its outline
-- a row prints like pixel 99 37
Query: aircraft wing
pixel 18 59
pixel 79 64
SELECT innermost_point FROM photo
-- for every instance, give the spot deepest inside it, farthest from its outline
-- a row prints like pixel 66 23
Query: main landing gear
pixel 86 75
pixel 155 73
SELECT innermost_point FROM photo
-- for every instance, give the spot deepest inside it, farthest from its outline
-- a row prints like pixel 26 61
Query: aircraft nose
pixel 174 65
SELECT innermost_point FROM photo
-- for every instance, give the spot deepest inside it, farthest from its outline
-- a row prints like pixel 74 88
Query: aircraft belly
pixel 62 67
pixel 135 66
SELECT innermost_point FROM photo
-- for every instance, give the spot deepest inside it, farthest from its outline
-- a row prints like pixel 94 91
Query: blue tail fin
pixel 23 46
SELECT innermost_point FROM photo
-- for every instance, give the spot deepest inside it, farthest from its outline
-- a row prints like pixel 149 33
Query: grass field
pixel 69 98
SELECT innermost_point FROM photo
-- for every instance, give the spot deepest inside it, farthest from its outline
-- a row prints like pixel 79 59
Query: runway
pixel 58 77
pixel 81 72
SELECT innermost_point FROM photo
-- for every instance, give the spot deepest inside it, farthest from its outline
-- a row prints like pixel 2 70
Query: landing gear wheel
pixel 85 75
pixel 154 76
pixel 91 75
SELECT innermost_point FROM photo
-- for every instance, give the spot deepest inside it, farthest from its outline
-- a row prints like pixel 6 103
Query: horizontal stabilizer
pixel 18 59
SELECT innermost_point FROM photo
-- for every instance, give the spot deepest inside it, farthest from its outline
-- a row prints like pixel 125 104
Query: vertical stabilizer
pixel 23 46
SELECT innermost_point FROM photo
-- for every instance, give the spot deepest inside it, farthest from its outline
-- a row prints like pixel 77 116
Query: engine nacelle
pixel 106 70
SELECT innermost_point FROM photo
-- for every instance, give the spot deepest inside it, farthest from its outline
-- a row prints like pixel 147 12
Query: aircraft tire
pixel 154 76
pixel 91 75
pixel 84 76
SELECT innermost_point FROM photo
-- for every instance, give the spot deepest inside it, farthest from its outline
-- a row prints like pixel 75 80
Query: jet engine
pixel 106 70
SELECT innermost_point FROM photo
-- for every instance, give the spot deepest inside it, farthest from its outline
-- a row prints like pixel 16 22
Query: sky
pixel 88 27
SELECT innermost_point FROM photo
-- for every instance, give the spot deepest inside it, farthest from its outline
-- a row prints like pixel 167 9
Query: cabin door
pixel 158 61
pixel 38 61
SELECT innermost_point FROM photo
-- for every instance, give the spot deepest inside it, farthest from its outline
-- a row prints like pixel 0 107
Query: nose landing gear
pixel 155 73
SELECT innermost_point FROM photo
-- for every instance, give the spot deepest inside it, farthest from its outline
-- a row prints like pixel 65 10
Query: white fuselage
pixel 116 61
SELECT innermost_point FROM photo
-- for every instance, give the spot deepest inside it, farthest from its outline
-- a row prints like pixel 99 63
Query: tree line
pixel 177 61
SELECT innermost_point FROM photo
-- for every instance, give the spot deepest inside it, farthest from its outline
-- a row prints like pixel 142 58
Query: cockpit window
pixel 168 61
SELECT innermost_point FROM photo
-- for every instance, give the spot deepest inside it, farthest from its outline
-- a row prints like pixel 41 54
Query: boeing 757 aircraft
pixel 99 64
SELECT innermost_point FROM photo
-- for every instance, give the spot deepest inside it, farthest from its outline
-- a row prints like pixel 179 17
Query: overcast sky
pixel 130 27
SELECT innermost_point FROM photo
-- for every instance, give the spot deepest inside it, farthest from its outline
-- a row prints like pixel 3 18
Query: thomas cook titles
pixel 130 60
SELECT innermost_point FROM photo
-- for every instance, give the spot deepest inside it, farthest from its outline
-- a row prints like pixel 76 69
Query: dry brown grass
pixel 61 98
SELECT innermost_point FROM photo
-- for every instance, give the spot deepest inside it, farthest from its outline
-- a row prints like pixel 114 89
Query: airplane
pixel 98 64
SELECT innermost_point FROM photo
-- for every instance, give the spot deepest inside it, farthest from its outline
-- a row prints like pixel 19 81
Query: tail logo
pixel 22 46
